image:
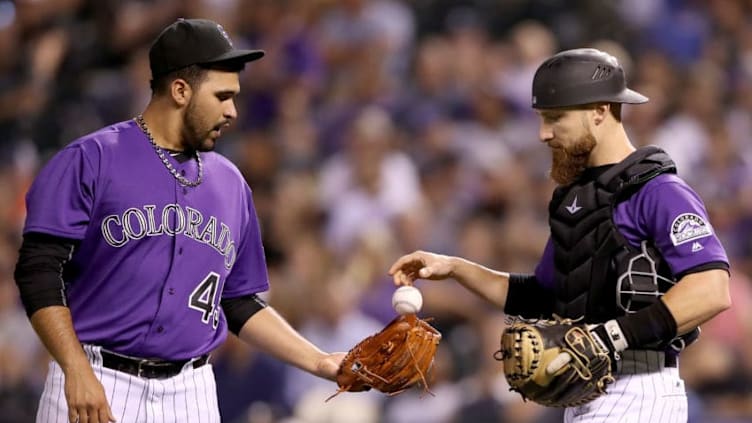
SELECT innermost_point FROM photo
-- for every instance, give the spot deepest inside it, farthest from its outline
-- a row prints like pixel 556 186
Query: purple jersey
pixel 154 258
pixel 668 212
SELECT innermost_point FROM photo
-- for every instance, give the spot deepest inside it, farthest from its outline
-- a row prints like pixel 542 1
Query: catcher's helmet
pixel 581 76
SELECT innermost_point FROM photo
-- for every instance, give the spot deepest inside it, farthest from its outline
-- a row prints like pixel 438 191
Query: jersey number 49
pixel 204 299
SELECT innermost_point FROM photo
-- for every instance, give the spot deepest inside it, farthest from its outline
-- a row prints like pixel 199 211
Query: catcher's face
pixel 566 132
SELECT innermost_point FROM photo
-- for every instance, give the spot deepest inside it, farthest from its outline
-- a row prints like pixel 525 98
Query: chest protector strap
pixel 591 257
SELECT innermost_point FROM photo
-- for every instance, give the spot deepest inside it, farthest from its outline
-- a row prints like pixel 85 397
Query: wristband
pixel 653 325
pixel 610 338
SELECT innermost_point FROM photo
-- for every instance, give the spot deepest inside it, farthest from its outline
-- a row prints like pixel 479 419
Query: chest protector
pixel 598 274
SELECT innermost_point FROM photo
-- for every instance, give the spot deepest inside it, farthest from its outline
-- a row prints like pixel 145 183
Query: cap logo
pixel 600 73
pixel 224 34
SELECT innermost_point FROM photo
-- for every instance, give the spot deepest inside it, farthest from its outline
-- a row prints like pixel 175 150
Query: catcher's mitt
pixel 392 360
pixel 554 363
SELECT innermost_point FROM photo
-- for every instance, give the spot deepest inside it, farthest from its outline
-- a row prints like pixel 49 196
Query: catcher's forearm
pixel 697 298
pixel 490 284
pixel 270 332
pixel 54 326
pixel 694 300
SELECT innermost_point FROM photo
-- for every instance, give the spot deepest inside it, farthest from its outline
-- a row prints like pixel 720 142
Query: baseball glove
pixel 392 360
pixel 554 362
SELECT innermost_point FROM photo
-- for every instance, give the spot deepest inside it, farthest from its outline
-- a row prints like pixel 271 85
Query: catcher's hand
pixel 392 360
pixel 555 363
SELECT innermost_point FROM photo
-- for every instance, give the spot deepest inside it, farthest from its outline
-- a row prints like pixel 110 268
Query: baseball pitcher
pixel 142 249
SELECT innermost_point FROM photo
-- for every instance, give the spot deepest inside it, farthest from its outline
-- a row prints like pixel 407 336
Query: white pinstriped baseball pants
pixel 644 392
pixel 189 397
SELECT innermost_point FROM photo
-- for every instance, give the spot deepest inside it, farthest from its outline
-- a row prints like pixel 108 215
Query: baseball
pixel 407 299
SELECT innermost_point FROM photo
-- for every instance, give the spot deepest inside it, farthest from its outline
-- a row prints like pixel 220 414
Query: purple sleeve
pixel 249 274
pixel 667 211
pixel 61 198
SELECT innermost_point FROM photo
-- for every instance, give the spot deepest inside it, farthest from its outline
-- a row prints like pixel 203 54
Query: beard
pixel 569 162
pixel 195 132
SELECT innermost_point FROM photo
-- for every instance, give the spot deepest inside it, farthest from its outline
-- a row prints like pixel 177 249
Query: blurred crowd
pixel 376 127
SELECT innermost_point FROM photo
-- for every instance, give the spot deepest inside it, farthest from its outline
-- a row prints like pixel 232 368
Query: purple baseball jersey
pixel 154 257
pixel 668 212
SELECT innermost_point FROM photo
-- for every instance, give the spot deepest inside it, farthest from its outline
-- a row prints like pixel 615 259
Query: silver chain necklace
pixel 183 181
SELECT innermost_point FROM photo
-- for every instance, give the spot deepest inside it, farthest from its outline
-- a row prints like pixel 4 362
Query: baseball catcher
pixel 392 360
pixel 555 363
pixel 631 260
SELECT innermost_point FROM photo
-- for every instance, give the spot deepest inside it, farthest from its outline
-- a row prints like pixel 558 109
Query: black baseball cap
pixel 581 76
pixel 189 42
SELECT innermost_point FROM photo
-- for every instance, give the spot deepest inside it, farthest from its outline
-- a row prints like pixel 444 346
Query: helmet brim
pixel 627 96
pixel 631 97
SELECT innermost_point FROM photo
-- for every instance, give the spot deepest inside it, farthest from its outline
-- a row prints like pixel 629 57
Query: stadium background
pixel 373 128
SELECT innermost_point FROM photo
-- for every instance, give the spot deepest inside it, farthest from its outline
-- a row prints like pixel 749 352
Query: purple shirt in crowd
pixel 668 212
pixel 154 258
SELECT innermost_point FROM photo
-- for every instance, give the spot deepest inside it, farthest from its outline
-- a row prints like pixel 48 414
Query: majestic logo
pixel 573 208
pixel 689 227
pixel 696 246
pixel 172 220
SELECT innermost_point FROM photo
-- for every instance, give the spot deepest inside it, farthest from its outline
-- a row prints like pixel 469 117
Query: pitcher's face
pixel 211 108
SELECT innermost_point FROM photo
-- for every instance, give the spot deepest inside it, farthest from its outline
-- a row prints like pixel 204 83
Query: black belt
pixel 148 368
pixel 645 361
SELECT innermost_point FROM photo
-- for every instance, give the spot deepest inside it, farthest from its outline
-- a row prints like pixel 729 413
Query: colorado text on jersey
pixel 135 223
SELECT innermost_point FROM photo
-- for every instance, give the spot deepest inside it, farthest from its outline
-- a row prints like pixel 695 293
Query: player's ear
pixel 600 112
pixel 181 91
